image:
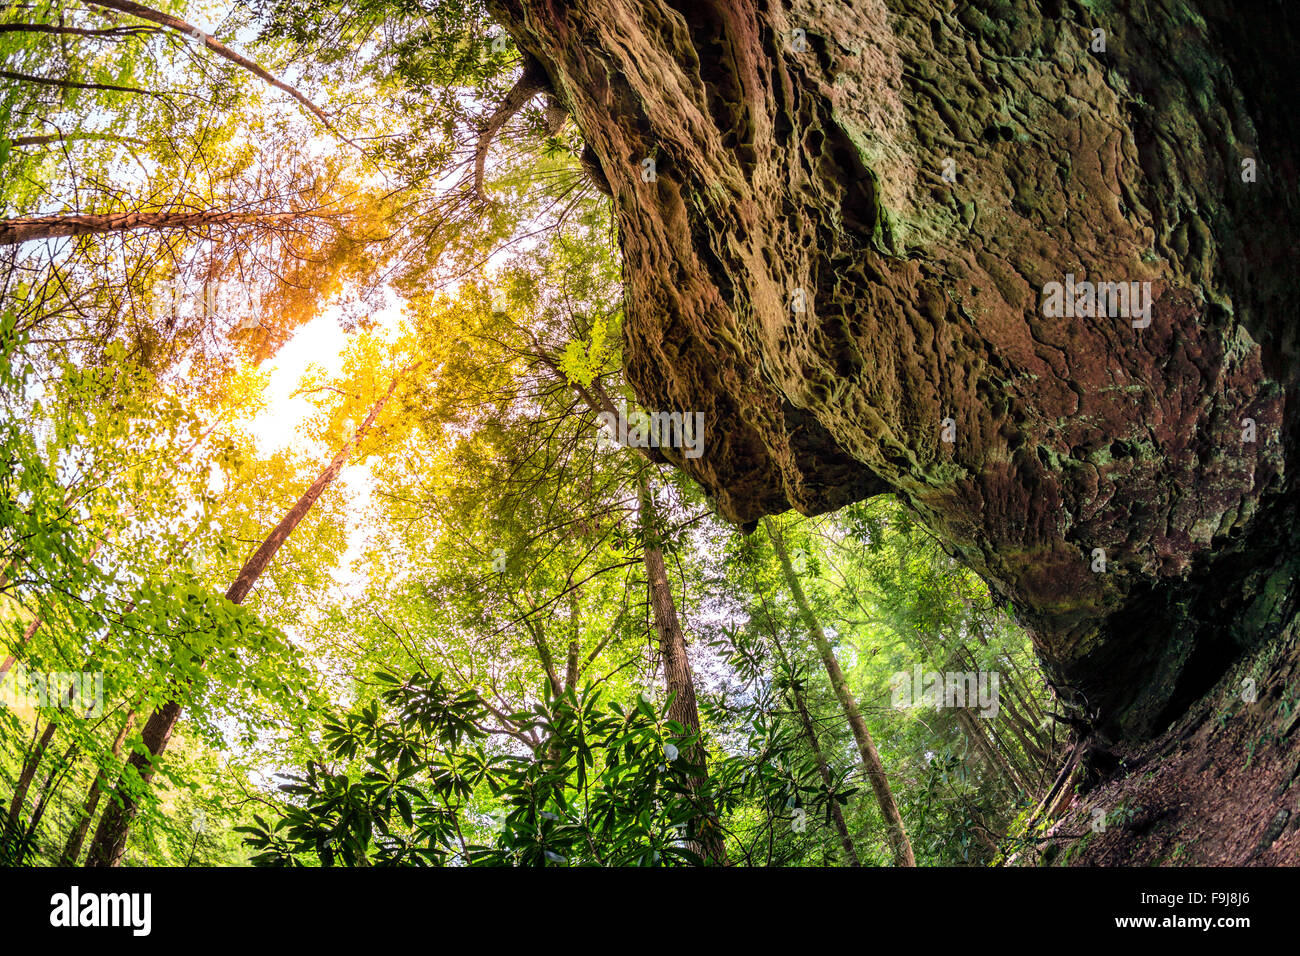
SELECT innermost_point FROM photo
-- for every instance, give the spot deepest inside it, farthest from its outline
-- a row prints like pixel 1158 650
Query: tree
pixel 109 844
pixel 26 229
pixel 871 762
pixel 216 46
pixel 991 300
pixel 800 703
pixel 677 671
pixel 72 849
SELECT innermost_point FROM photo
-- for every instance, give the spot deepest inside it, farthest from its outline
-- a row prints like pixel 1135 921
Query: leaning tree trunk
pixel 30 228
pixel 26 775
pixel 53 782
pixel 842 224
pixel 72 849
pixel 109 844
pixel 710 842
pixel 823 767
pixel 872 765
pixel 10 659
pixel 28 772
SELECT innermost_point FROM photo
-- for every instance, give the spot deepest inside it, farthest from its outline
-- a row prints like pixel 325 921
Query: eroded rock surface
pixel 800 268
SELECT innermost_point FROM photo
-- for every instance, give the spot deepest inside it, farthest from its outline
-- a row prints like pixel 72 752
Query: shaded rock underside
pixel 810 166
pixel 1221 787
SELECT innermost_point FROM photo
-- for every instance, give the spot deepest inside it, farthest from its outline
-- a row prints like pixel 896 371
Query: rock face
pixel 841 223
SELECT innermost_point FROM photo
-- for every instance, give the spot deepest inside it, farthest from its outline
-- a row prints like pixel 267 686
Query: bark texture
pixel 30 228
pixel 799 269
pixel 72 849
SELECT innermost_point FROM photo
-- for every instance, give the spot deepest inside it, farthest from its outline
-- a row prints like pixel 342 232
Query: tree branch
pixel 219 48
pixel 532 81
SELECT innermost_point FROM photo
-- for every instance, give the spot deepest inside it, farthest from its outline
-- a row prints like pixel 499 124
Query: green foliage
pixel 582 361
pixel 408 779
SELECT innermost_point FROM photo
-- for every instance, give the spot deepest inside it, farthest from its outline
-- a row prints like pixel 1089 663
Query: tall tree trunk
pixel 543 648
pixel 1022 731
pixel 72 849
pixel 531 81
pixel 28 772
pixel 25 777
pixel 1009 694
pixel 677 672
pixel 571 660
pixel 109 844
pixel 672 642
pixel 823 769
pixel 27 228
pixel 871 763
pixel 8 662
pixel 110 32
pixel 989 741
pixel 53 782
pixel 993 756
pixel 216 46
pixel 44 139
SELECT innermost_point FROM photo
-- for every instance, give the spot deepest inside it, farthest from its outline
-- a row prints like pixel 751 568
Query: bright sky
pixel 322 343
